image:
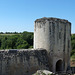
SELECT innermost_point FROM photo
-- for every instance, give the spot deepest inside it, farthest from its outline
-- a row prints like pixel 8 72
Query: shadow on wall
pixel 73 70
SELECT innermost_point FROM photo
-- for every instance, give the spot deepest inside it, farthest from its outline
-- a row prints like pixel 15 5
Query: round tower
pixel 53 34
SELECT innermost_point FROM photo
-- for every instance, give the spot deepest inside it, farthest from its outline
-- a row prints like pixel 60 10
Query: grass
pixel 73 61
pixel 9 34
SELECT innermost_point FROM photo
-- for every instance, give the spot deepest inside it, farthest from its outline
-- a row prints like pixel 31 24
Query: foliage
pixel 16 40
pixel 73 45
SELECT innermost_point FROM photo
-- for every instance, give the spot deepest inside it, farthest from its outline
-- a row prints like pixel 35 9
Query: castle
pixel 52 46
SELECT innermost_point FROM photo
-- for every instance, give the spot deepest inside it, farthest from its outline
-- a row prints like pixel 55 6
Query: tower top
pixel 51 19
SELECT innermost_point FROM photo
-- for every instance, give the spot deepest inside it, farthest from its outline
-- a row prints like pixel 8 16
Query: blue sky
pixel 19 15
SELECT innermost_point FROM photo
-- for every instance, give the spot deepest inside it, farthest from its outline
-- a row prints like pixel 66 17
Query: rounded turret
pixel 54 35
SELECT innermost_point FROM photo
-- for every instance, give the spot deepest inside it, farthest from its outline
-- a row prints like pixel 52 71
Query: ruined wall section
pixel 62 43
pixel 68 45
pixel 54 35
pixel 41 35
pixel 22 62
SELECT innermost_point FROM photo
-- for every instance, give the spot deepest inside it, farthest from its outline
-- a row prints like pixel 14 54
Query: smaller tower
pixel 54 35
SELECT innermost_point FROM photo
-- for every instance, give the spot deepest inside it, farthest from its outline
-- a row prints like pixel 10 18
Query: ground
pixel 73 61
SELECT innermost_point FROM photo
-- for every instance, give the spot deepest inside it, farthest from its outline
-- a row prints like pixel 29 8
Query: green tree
pixel 16 41
pixel 21 44
pixel 4 43
pixel 73 44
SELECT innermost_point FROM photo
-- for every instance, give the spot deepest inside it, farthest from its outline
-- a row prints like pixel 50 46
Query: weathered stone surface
pixel 43 72
pixel 51 19
pixel 22 62
pixel 54 35
pixel 52 46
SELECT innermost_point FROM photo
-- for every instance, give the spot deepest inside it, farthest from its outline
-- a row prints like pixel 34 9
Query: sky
pixel 19 15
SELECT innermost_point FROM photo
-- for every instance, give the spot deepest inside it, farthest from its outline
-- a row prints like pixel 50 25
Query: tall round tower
pixel 53 34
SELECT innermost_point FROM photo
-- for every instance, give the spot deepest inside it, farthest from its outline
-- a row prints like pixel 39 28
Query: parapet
pixel 23 61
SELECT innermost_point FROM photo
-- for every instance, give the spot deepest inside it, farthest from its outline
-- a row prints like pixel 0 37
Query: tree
pixel 73 44
pixel 16 41
pixel 21 44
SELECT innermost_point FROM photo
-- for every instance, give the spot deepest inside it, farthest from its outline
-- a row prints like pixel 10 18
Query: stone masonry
pixel 52 46
pixel 23 62
pixel 54 35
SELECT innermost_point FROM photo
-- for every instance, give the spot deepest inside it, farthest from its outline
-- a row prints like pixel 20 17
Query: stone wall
pixel 51 34
pixel 54 35
pixel 23 62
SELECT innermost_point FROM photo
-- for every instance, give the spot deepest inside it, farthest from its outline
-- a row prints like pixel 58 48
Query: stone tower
pixel 53 34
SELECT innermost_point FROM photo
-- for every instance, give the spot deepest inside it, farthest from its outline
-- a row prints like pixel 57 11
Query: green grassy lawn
pixel 7 35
